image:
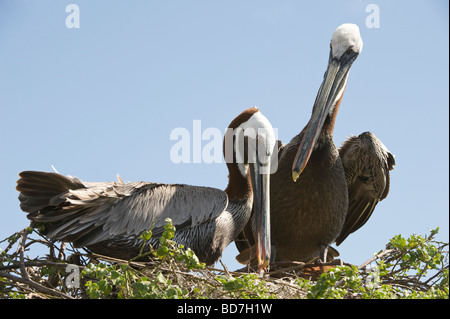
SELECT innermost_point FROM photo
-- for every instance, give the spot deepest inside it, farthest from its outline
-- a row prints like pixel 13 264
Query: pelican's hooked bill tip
pixel 263 264
pixel 295 175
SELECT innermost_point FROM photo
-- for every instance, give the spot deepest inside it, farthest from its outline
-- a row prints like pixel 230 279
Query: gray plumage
pixel 109 217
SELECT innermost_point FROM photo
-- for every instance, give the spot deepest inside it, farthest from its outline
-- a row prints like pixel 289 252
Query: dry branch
pixel 29 276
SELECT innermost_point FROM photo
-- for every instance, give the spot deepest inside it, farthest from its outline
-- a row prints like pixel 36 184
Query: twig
pixel 11 242
pixel 377 256
pixel 35 285
pixel 61 251
pixel 36 263
pixel 225 268
pixel 434 276
pixel 424 269
pixel 23 271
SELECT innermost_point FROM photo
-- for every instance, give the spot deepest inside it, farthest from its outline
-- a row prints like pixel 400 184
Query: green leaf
pixel 160 277
pixel 146 235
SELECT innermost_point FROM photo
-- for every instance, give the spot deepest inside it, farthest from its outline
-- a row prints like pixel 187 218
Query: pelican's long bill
pixel 330 92
pixel 260 175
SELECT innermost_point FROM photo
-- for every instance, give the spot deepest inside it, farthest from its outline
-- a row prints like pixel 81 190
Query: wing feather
pixel 87 213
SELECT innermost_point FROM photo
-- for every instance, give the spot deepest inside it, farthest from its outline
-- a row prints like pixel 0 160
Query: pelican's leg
pixel 323 255
pixel 322 260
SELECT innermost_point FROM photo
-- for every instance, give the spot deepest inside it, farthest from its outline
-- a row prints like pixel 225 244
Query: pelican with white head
pixel 251 145
pixel 346 44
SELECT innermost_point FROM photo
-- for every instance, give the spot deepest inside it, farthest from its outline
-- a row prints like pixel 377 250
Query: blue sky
pixel 103 99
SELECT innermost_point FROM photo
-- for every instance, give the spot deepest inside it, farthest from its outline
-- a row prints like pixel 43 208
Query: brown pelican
pixel 367 163
pixel 309 215
pixel 108 218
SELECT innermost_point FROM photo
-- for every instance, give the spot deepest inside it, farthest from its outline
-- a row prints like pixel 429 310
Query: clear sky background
pixel 104 98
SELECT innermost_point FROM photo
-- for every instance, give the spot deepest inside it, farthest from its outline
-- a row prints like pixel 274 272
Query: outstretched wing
pixel 92 212
pixel 367 163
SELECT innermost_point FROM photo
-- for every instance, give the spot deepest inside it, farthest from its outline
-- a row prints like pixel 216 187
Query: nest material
pixel 46 277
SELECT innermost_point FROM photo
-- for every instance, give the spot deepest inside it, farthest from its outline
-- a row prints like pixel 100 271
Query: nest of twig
pixel 95 276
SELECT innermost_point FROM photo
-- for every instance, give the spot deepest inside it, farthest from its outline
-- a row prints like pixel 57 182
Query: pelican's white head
pixel 254 151
pixel 254 138
pixel 346 44
pixel 346 37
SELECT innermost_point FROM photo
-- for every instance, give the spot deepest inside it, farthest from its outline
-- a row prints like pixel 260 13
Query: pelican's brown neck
pixel 239 186
pixel 328 126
